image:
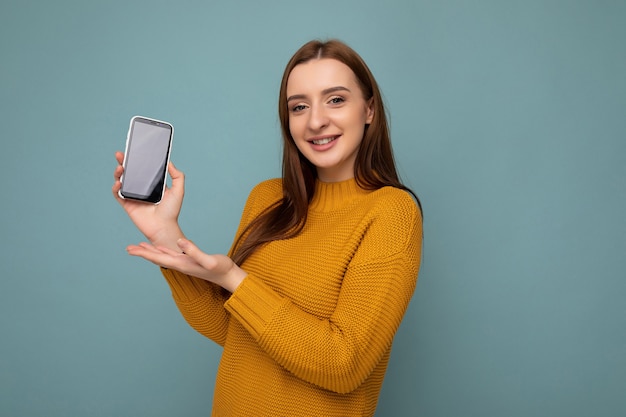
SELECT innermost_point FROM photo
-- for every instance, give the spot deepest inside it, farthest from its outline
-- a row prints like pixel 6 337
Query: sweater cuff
pixel 184 287
pixel 253 303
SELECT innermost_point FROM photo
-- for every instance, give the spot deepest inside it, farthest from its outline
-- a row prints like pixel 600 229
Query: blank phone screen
pixel 146 159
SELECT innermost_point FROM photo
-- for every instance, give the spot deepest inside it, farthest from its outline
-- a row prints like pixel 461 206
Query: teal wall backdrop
pixel 508 119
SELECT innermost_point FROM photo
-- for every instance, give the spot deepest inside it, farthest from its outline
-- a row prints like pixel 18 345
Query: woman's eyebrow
pixel 324 92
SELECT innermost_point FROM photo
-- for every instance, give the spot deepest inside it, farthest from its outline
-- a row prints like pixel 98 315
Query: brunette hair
pixel 374 167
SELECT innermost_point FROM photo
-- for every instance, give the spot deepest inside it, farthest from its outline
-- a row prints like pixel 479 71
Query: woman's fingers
pixel 173 171
pixel 159 256
pixel 117 174
pixel 215 264
pixel 218 269
pixel 119 156
pixel 170 259
pixel 191 250
pixel 178 179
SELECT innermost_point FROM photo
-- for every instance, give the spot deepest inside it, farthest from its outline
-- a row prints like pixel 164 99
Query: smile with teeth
pixel 324 141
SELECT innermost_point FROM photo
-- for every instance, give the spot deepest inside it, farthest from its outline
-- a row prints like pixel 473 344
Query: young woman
pixel 325 260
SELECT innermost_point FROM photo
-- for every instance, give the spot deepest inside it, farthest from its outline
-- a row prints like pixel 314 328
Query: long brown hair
pixel 374 167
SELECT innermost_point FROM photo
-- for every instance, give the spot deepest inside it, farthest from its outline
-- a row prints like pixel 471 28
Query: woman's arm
pixel 201 301
pixel 340 352
pixel 196 298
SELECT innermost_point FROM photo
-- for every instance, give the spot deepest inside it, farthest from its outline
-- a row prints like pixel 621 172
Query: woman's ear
pixel 370 111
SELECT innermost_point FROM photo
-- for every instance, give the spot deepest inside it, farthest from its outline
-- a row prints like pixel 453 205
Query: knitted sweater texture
pixel 308 333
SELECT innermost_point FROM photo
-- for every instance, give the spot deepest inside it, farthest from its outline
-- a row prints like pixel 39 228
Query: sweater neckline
pixel 334 195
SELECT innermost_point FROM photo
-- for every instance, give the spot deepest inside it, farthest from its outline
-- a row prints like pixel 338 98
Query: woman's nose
pixel 318 118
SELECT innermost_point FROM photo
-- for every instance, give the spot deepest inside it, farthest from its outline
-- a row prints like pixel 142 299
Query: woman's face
pixel 327 116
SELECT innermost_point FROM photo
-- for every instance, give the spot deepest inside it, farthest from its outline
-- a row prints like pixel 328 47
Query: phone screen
pixel 145 160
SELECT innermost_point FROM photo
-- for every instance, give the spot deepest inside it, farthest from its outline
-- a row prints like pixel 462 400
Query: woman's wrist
pixel 234 278
pixel 168 237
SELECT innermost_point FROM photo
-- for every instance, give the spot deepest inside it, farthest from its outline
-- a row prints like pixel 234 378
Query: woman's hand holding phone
pixel 158 222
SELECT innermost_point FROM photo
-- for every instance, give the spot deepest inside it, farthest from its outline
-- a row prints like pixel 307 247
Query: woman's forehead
pixel 318 75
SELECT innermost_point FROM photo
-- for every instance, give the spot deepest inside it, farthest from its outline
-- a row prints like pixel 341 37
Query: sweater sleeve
pixel 200 302
pixel 340 352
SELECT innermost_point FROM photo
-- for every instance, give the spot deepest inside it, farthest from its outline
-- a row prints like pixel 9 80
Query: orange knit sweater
pixel 308 333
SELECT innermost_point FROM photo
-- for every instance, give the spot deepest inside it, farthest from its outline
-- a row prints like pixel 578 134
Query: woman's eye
pixel 297 108
pixel 336 100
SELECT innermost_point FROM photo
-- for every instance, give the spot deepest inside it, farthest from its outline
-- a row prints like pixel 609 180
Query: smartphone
pixel 148 147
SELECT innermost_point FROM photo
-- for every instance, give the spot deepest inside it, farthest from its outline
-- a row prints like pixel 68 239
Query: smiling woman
pixel 325 259
pixel 327 116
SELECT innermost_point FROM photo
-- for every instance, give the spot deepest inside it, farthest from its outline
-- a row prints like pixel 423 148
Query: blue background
pixel 508 119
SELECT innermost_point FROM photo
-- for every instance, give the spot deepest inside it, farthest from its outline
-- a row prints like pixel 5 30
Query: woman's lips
pixel 323 143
